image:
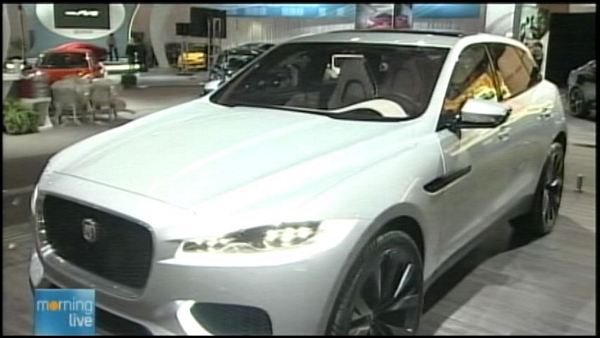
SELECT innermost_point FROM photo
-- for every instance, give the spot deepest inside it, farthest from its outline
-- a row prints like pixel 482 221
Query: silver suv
pixel 305 195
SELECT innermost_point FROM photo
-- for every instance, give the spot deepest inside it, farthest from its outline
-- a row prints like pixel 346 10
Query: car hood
pixel 201 153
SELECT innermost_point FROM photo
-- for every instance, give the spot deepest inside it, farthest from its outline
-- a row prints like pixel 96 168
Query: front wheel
pixel 383 293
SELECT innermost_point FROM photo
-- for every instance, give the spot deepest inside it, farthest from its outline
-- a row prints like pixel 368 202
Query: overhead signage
pixel 81 16
pixel 83 12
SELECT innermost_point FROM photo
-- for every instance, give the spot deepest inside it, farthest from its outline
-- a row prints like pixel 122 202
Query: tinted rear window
pixel 63 60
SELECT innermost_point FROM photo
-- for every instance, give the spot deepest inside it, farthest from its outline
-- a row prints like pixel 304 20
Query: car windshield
pixel 237 61
pixel 63 60
pixel 329 77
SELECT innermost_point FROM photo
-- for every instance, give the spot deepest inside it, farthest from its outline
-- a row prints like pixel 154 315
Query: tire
pixel 541 218
pixel 578 106
pixel 363 305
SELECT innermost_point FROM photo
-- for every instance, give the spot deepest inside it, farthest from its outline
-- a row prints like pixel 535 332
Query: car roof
pixel 245 52
pixel 384 36
pixel 433 38
pixel 257 44
pixel 69 51
pixel 78 45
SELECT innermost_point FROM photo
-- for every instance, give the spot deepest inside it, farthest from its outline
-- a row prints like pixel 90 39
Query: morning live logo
pixel 70 312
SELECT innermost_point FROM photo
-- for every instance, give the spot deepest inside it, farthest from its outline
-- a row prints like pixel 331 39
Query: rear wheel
pixel 544 212
pixel 383 293
pixel 577 104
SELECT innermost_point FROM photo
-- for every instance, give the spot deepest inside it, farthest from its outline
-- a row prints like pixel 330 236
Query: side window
pixel 516 72
pixel 532 68
pixel 472 77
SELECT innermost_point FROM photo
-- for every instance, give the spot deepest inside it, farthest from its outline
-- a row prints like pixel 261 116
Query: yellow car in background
pixel 193 59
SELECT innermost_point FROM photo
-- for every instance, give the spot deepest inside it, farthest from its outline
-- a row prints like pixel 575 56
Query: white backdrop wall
pixel 500 19
pixel 469 25
pixel 14 30
pixel 243 29
pixel 239 29
pixel 161 19
pixel 141 19
pixel 5 32
pixel 582 8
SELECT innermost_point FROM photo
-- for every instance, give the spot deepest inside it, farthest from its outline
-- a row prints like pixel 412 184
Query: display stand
pixel 42 106
pixel 8 79
pixel 214 41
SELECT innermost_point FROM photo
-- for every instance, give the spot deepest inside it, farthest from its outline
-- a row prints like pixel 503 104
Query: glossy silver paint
pixel 265 166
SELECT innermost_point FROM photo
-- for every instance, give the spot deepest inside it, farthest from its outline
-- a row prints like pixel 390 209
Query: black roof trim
pixel 457 34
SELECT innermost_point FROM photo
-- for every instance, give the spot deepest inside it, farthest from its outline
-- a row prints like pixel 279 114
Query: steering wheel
pixel 406 102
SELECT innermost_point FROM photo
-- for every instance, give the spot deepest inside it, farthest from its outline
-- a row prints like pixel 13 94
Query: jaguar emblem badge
pixel 89 230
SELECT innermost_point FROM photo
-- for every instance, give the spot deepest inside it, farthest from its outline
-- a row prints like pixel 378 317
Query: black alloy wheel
pixel 577 105
pixel 553 186
pixel 541 218
pixel 384 294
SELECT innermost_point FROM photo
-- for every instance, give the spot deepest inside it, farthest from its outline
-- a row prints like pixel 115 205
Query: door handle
pixel 546 113
pixel 504 133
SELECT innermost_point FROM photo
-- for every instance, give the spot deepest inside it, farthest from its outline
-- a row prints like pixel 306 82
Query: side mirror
pixel 477 113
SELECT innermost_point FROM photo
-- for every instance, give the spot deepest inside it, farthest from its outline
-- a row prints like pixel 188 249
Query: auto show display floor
pixel 505 285
pixel 511 286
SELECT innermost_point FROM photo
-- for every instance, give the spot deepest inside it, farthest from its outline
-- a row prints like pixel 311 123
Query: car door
pixel 532 109
pixel 470 156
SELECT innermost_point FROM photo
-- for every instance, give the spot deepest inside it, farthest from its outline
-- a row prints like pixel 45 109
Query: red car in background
pixel 57 64
pixel 99 52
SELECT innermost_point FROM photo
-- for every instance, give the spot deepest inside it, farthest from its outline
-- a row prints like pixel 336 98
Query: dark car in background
pixel 582 89
pixel 259 46
pixel 231 61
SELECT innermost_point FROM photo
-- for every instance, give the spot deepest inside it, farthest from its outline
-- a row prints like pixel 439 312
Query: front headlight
pixel 264 245
pixel 259 239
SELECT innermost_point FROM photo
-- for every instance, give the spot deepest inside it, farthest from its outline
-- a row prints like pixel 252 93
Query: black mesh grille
pixel 122 251
pixel 108 323
pixel 224 319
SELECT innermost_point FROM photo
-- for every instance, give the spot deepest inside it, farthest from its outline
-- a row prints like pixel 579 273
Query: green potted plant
pixel 19 118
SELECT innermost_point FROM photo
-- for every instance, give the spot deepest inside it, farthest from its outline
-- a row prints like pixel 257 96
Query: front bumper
pixel 297 295
pixel 192 64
